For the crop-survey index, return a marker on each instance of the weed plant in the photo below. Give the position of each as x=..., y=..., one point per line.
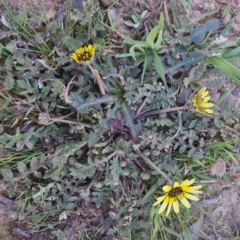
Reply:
x=95, y=136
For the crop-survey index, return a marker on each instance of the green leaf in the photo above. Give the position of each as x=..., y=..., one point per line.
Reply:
x=128, y=116
x=232, y=53
x=161, y=26
x=141, y=44
x=198, y=33
x=21, y=167
x=225, y=66
x=124, y=55
x=182, y=149
x=7, y=174
x=151, y=191
x=22, y=84
x=33, y=162
x=187, y=61
x=83, y=107
x=132, y=51
x=70, y=206
x=224, y=96
x=231, y=155
x=129, y=23
x=169, y=230
x=143, y=14
x=27, y=137
x=134, y=18
x=93, y=139
x=193, y=123
x=152, y=35
x=156, y=32
x=73, y=43
x=165, y=122
x=159, y=67
x=144, y=68
x=191, y=152
x=9, y=81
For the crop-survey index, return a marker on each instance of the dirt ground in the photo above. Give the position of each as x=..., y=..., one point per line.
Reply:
x=222, y=201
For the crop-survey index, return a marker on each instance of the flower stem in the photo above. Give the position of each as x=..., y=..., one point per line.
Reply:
x=154, y=112
x=149, y=162
x=70, y=122
x=98, y=78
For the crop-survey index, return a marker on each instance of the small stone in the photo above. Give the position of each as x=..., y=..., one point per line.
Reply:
x=227, y=18
x=230, y=3
x=107, y=3
x=212, y=7
x=236, y=92
x=218, y=168
x=237, y=19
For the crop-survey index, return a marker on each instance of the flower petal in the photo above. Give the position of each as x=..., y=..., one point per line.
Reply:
x=202, y=91
x=190, y=196
x=192, y=189
x=175, y=185
x=206, y=99
x=187, y=183
x=159, y=200
x=185, y=202
x=164, y=205
x=204, y=110
x=206, y=105
x=167, y=188
x=201, y=104
x=205, y=93
x=84, y=55
x=176, y=206
x=169, y=205
x=195, y=192
x=210, y=111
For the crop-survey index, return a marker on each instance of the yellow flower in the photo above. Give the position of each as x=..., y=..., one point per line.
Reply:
x=200, y=102
x=177, y=192
x=84, y=55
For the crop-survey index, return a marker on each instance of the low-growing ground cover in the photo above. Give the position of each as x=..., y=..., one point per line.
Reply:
x=119, y=120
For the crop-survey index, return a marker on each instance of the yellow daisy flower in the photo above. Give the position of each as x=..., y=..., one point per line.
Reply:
x=177, y=192
x=200, y=102
x=84, y=55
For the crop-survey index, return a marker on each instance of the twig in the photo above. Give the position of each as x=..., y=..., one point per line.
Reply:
x=141, y=107
x=231, y=129
x=64, y=190
x=32, y=170
x=98, y=78
x=25, y=234
x=123, y=81
x=150, y=113
x=68, y=121
x=97, y=176
x=66, y=92
x=149, y=162
x=10, y=204
x=45, y=119
x=50, y=79
x=65, y=89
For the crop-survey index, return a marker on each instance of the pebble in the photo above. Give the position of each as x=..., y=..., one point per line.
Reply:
x=227, y=18
x=212, y=7
x=237, y=19
x=107, y=3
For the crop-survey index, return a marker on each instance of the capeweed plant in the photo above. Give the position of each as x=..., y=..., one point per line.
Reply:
x=136, y=23
x=109, y=147
x=148, y=48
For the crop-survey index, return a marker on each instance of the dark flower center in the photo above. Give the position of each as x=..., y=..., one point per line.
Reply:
x=176, y=192
x=85, y=56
